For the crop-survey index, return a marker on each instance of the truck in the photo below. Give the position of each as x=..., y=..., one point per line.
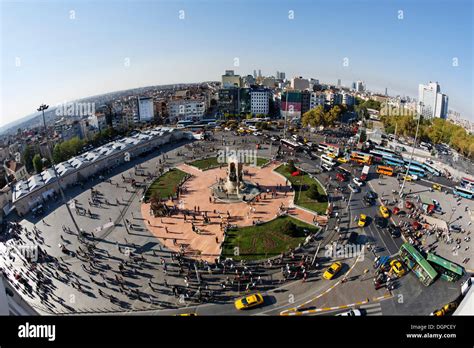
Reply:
x=365, y=173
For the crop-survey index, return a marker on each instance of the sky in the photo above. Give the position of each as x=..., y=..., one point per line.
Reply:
x=56, y=51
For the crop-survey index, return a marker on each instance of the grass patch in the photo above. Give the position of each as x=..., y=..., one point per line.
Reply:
x=266, y=240
x=302, y=184
x=166, y=184
x=212, y=162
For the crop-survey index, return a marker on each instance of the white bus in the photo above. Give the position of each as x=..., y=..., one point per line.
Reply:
x=290, y=144
x=327, y=160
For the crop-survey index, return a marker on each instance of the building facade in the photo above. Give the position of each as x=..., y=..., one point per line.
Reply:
x=146, y=111
x=259, y=101
x=434, y=103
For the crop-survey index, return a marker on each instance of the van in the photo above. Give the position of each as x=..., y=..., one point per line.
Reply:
x=327, y=167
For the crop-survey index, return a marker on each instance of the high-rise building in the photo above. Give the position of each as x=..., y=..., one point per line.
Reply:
x=386, y=91
x=317, y=98
x=259, y=73
x=305, y=101
x=260, y=101
x=145, y=109
x=229, y=79
x=433, y=102
x=339, y=83
x=255, y=74
x=360, y=87
x=299, y=83
x=353, y=86
x=290, y=104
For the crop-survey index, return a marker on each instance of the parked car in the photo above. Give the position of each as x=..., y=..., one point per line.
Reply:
x=358, y=182
x=456, y=228
x=397, y=268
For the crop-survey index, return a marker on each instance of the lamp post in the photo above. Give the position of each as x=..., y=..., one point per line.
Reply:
x=412, y=150
x=42, y=108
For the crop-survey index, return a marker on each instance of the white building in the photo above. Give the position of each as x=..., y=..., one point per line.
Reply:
x=259, y=101
x=434, y=103
x=145, y=109
x=299, y=83
x=186, y=109
x=317, y=98
x=98, y=121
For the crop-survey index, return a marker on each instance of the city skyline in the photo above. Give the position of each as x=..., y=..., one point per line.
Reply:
x=85, y=53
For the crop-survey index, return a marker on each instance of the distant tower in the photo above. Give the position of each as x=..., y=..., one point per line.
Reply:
x=338, y=82
x=255, y=74
x=386, y=91
x=259, y=73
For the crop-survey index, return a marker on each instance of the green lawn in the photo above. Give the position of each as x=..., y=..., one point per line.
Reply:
x=264, y=241
x=211, y=162
x=166, y=184
x=301, y=184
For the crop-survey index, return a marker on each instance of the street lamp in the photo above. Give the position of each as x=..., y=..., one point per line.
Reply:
x=412, y=150
x=50, y=153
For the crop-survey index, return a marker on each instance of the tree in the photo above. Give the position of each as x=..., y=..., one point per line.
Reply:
x=291, y=166
x=313, y=192
x=38, y=163
x=27, y=158
x=314, y=117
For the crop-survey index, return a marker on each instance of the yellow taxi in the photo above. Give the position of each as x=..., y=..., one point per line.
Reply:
x=397, y=268
x=249, y=301
x=186, y=315
x=408, y=178
x=384, y=212
x=362, y=220
x=446, y=309
x=342, y=160
x=330, y=154
x=437, y=187
x=332, y=270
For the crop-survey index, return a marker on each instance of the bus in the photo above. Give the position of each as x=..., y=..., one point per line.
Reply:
x=325, y=147
x=183, y=123
x=254, y=121
x=381, y=153
x=418, y=264
x=432, y=169
x=361, y=157
x=448, y=271
x=462, y=192
x=290, y=144
x=467, y=183
x=415, y=170
x=385, y=170
x=386, y=150
x=328, y=160
x=393, y=161
x=412, y=162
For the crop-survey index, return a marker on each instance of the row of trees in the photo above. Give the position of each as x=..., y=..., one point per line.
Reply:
x=435, y=131
x=320, y=117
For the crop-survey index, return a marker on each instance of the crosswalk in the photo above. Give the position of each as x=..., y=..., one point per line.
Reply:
x=372, y=309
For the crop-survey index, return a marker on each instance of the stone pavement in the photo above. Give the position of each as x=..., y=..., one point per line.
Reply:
x=206, y=244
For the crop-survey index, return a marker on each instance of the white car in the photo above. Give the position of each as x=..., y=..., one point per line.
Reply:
x=350, y=313
x=414, y=177
x=358, y=182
